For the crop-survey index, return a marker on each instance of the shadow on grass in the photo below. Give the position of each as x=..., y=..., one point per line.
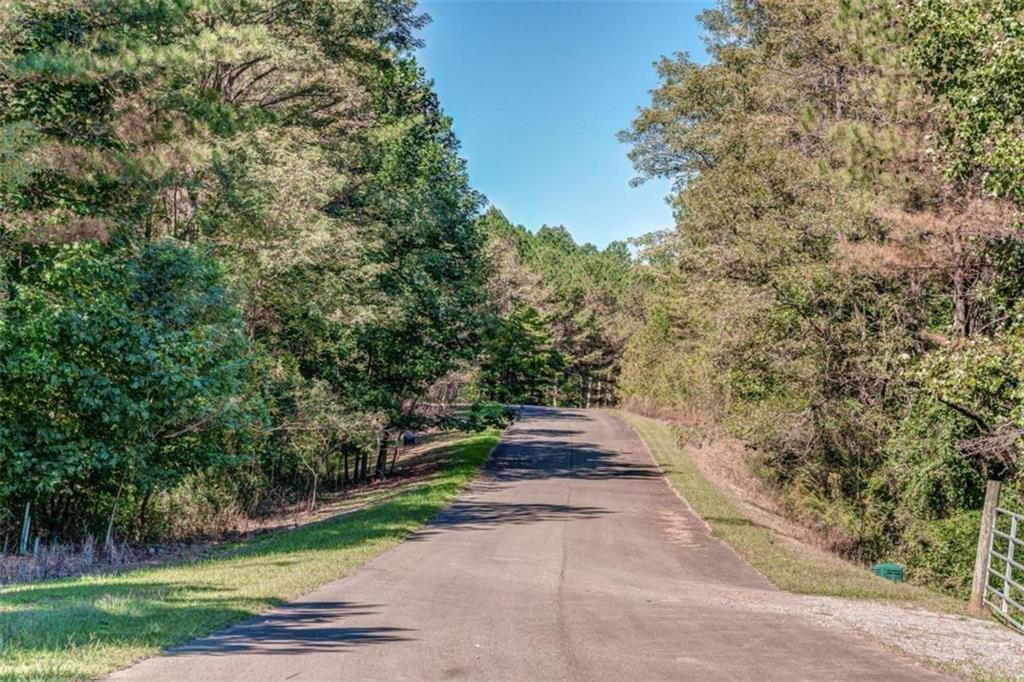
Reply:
x=81, y=628
x=735, y=521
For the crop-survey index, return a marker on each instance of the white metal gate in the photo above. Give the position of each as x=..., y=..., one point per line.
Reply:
x=1004, y=591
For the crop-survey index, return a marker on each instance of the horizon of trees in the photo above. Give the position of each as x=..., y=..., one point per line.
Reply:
x=561, y=315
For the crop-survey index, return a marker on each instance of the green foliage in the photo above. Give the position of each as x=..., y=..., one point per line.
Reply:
x=482, y=415
x=982, y=378
x=659, y=369
x=119, y=371
x=924, y=469
x=941, y=552
x=570, y=307
x=297, y=154
x=839, y=292
x=519, y=363
x=973, y=57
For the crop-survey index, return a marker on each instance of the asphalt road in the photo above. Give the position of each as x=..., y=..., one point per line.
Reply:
x=571, y=559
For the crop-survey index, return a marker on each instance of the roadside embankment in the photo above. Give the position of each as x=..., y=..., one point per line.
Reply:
x=839, y=594
x=82, y=628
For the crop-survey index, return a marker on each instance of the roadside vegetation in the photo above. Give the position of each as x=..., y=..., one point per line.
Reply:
x=83, y=628
x=786, y=564
x=842, y=290
x=238, y=248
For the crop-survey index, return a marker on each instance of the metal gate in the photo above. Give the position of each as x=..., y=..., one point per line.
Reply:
x=1004, y=592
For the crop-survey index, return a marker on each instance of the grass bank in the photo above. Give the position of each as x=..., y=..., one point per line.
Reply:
x=786, y=564
x=85, y=627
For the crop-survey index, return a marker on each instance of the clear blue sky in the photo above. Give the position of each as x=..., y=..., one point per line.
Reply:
x=538, y=91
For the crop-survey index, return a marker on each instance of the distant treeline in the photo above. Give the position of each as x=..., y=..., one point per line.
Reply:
x=561, y=316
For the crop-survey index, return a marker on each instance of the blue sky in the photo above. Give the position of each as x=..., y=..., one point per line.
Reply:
x=538, y=91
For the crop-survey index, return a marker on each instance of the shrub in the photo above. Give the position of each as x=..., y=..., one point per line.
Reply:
x=941, y=553
x=123, y=372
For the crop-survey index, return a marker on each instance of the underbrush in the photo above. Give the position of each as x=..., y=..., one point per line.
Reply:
x=912, y=497
x=193, y=519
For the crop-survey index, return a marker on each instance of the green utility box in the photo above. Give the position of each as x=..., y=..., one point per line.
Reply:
x=893, y=572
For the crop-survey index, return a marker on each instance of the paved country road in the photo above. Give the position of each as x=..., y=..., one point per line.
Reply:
x=570, y=559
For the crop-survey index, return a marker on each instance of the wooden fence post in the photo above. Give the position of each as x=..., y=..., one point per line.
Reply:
x=988, y=519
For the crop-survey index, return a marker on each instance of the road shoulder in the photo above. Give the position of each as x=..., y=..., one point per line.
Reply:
x=837, y=594
x=86, y=627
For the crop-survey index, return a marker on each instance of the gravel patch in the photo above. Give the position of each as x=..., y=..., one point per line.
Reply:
x=974, y=648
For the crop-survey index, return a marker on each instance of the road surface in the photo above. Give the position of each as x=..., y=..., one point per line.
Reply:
x=570, y=559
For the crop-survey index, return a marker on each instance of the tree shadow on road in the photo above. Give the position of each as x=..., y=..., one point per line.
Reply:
x=480, y=515
x=296, y=628
x=559, y=458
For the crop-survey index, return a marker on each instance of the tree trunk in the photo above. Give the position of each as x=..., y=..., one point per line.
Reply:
x=144, y=513
x=26, y=525
x=961, y=328
x=382, y=455
x=344, y=469
x=108, y=541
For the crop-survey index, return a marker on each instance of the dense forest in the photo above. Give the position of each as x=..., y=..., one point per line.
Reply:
x=237, y=245
x=843, y=288
x=239, y=251
x=561, y=316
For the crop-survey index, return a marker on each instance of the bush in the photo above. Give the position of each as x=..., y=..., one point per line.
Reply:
x=941, y=553
x=481, y=415
x=123, y=372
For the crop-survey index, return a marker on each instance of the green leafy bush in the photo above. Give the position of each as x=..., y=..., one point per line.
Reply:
x=123, y=372
x=941, y=553
x=481, y=415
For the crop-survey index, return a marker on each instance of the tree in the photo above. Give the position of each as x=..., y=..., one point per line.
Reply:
x=296, y=146
x=122, y=374
x=822, y=260
x=972, y=61
x=519, y=363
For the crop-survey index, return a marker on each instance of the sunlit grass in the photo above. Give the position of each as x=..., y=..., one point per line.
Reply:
x=85, y=627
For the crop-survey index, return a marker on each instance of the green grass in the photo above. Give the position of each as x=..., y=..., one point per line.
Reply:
x=85, y=627
x=788, y=566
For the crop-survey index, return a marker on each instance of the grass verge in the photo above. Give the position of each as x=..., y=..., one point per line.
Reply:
x=787, y=565
x=83, y=628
